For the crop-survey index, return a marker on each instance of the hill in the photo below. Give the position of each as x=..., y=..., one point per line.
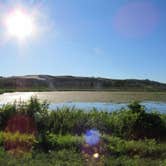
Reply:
x=47, y=82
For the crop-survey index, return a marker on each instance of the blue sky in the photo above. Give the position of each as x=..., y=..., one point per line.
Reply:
x=102, y=38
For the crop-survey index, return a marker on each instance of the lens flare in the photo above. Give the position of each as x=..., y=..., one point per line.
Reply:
x=136, y=19
x=96, y=155
x=92, y=137
x=94, y=149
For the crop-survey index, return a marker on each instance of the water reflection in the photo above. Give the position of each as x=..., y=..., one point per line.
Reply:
x=150, y=106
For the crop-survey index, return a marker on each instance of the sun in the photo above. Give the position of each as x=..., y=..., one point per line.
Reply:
x=19, y=24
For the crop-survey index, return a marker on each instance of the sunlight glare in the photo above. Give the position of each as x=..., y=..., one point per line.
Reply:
x=19, y=24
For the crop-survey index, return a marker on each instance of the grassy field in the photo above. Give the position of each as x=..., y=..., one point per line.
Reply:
x=119, y=153
x=30, y=134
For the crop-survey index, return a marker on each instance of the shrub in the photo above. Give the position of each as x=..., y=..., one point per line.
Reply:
x=136, y=107
x=18, y=144
x=148, y=125
x=141, y=148
x=76, y=121
x=123, y=123
x=136, y=123
x=6, y=112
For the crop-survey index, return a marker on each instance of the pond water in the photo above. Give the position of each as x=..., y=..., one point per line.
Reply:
x=150, y=106
x=108, y=101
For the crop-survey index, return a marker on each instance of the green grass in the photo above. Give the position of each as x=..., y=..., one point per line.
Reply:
x=118, y=152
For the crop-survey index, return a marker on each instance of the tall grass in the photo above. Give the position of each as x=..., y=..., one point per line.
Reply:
x=131, y=123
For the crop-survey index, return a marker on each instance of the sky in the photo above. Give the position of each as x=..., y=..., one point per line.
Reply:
x=118, y=39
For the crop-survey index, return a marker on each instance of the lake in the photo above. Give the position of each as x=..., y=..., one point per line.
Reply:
x=108, y=101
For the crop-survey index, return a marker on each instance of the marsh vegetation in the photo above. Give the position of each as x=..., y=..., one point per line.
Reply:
x=31, y=134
